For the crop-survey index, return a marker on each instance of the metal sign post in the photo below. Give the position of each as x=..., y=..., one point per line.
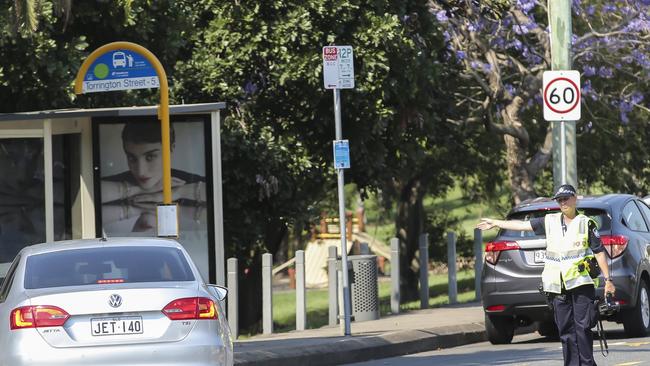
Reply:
x=338, y=73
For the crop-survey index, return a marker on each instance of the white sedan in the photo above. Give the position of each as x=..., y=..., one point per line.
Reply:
x=117, y=301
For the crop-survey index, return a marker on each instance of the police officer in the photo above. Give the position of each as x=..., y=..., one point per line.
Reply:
x=572, y=239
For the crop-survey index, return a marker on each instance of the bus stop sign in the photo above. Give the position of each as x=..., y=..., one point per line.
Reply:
x=119, y=70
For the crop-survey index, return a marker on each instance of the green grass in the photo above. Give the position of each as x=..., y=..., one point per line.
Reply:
x=284, y=303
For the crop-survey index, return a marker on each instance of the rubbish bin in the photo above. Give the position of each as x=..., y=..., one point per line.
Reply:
x=363, y=287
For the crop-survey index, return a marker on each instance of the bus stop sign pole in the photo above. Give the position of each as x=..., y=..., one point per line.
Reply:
x=115, y=68
x=338, y=73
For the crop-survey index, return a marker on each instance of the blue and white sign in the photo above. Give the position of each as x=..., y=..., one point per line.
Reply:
x=341, y=154
x=120, y=70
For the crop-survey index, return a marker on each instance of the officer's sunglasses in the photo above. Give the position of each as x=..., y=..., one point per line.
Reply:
x=562, y=199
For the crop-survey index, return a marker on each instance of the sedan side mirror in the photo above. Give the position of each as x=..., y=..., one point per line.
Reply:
x=220, y=291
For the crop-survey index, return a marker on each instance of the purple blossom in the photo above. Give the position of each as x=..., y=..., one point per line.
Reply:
x=510, y=89
x=250, y=88
x=442, y=16
x=589, y=71
x=625, y=106
x=609, y=8
x=636, y=97
x=638, y=25
x=520, y=29
x=586, y=87
x=498, y=42
x=526, y=5
x=591, y=9
x=605, y=72
x=486, y=67
x=624, y=119
x=516, y=44
x=460, y=55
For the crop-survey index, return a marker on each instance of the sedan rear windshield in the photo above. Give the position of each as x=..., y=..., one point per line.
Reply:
x=105, y=266
x=600, y=216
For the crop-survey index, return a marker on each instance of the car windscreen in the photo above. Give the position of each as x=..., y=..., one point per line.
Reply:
x=601, y=218
x=106, y=265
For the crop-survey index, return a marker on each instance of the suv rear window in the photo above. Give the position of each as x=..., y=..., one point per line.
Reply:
x=600, y=216
x=106, y=265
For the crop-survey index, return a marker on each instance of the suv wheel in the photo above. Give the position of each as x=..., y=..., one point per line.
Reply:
x=547, y=328
x=500, y=329
x=637, y=319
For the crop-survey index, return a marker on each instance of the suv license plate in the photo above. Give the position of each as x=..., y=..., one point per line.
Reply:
x=540, y=255
x=116, y=326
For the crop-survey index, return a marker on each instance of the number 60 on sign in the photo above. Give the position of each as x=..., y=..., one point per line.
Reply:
x=561, y=94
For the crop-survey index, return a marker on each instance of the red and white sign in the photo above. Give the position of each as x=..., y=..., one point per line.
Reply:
x=561, y=95
x=338, y=67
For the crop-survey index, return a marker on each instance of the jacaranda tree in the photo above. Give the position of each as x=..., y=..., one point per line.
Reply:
x=504, y=48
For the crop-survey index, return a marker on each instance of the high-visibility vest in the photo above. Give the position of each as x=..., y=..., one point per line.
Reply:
x=565, y=251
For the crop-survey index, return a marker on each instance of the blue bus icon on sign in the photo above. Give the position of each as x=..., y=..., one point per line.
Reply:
x=341, y=154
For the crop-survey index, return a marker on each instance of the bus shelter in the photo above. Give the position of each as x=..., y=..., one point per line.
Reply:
x=87, y=173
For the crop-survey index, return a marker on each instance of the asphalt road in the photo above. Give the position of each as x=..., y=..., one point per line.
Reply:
x=528, y=350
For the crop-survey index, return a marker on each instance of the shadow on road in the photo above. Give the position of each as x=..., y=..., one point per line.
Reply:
x=497, y=357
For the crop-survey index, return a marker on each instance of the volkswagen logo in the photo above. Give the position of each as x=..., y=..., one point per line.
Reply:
x=115, y=300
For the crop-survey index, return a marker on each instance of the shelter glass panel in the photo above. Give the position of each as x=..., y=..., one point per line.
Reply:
x=22, y=203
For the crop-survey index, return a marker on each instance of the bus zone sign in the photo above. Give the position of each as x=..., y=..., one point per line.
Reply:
x=338, y=67
x=561, y=95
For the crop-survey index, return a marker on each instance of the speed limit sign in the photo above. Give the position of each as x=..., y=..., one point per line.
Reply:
x=561, y=95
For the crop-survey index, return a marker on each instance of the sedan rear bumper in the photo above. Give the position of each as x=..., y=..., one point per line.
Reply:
x=27, y=347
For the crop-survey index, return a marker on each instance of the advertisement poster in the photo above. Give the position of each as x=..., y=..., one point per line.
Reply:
x=130, y=168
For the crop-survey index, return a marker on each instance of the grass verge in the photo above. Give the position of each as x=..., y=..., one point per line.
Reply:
x=284, y=303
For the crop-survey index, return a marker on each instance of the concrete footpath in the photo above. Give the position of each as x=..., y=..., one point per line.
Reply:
x=390, y=336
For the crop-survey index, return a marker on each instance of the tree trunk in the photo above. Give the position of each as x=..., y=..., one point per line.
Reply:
x=521, y=181
x=409, y=226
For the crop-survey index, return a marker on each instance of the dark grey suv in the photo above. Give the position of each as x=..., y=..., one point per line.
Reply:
x=515, y=259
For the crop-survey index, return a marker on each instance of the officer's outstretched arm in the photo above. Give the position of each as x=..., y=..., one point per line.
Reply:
x=487, y=223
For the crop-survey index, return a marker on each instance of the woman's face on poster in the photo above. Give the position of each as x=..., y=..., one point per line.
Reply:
x=145, y=163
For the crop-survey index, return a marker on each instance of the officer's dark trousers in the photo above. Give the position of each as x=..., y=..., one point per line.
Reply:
x=575, y=316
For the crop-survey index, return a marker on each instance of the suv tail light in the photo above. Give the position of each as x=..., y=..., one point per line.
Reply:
x=38, y=317
x=191, y=308
x=614, y=244
x=494, y=248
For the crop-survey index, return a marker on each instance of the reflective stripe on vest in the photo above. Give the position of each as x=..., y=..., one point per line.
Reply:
x=565, y=252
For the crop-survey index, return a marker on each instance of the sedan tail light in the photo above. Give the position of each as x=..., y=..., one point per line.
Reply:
x=191, y=308
x=38, y=317
x=494, y=248
x=614, y=244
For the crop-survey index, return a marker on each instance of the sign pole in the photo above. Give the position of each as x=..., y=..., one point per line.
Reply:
x=343, y=231
x=564, y=134
x=338, y=73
